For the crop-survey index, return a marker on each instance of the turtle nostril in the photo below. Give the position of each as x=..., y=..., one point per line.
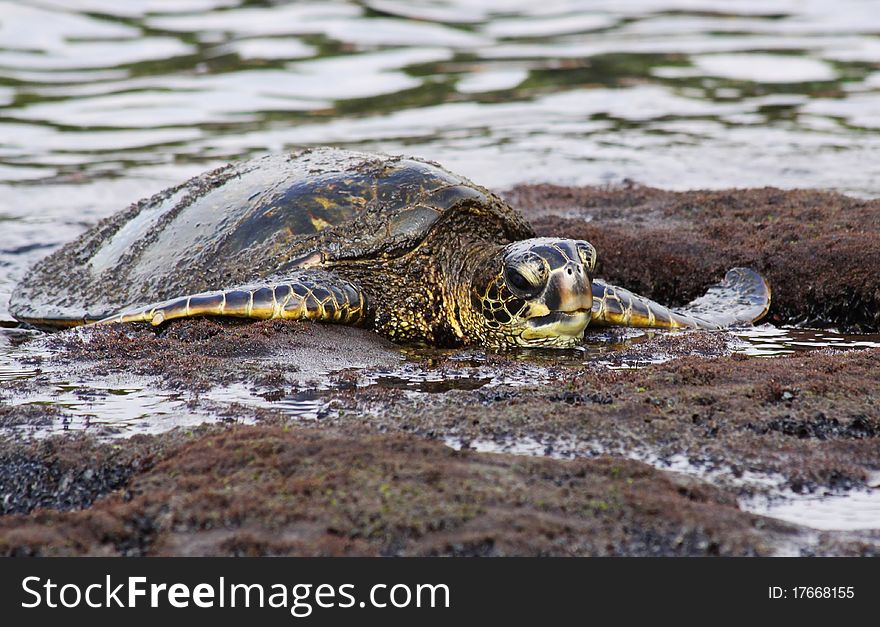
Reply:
x=569, y=270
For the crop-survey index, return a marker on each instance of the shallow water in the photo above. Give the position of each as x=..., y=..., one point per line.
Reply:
x=126, y=404
x=103, y=102
x=123, y=404
x=851, y=511
x=767, y=340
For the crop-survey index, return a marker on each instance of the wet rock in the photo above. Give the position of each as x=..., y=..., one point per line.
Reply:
x=60, y=475
x=810, y=420
x=27, y=415
x=831, y=544
x=713, y=413
x=820, y=427
x=199, y=354
x=295, y=491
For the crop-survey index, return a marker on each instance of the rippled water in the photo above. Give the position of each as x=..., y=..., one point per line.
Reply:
x=103, y=102
x=769, y=341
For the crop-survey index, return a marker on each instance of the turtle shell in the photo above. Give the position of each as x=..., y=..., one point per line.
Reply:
x=253, y=221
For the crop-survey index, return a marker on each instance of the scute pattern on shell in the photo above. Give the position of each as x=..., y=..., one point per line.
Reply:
x=253, y=221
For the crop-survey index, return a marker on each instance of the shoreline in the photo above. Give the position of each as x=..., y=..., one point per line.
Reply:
x=373, y=475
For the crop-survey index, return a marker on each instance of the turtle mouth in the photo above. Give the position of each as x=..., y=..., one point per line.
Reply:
x=561, y=322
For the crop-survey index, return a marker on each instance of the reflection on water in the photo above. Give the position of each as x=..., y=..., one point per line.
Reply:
x=110, y=101
x=854, y=510
x=769, y=341
x=103, y=102
x=109, y=405
x=125, y=404
x=554, y=90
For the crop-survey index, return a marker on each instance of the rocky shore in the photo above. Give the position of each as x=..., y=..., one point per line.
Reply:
x=491, y=453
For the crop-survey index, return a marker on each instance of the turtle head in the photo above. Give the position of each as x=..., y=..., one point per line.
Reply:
x=541, y=295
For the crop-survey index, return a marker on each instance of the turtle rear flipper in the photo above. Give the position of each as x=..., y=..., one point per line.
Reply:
x=742, y=297
x=309, y=295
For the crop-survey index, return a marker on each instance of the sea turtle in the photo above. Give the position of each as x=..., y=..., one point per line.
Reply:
x=400, y=245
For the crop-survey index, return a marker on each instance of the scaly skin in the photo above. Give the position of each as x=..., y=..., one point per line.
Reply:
x=615, y=306
x=308, y=296
x=742, y=297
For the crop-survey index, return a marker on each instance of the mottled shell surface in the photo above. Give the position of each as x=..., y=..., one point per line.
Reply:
x=249, y=222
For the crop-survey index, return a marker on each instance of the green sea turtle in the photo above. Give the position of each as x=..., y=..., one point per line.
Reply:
x=400, y=245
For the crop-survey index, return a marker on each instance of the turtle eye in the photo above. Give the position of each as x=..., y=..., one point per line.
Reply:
x=523, y=281
x=587, y=254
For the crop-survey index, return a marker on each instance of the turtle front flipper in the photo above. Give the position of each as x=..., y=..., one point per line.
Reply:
x=743, y=297
x=312, y=295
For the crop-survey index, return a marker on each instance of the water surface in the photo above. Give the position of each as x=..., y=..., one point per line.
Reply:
x=103, y=102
